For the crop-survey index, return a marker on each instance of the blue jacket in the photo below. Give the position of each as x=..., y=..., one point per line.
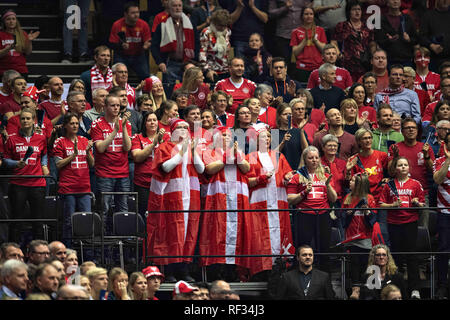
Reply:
x=405, y=102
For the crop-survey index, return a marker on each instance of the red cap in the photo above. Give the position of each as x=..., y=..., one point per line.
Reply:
x=174, y=123
x=33, y=93
x=183, y=287
x=149, y=82
x=152, y=271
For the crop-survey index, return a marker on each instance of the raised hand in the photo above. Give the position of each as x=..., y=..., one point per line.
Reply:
x=33, y=35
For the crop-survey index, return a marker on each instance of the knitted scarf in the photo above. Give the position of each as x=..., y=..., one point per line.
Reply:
x=389, y=92
x=98, y=81
x=169, y=37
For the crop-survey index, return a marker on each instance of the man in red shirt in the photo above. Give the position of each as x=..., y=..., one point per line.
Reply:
x=420, y=156
x=162, y=16
x=379, y=67
x=130, y=37
x=236, y=85
x=6, y=90
x=343, y=77
x=52, y=106
x=111, y=137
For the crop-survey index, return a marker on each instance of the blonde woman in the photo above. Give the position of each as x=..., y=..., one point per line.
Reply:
x=350, y=117
x=137, y=286
x=118, y=285
x=311, y=187
x=386, y=272
x=15, y=44
x=193, y=84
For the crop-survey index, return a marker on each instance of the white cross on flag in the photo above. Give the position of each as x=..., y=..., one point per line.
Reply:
x=77, y=164
x=115, y=146
x=315, y=194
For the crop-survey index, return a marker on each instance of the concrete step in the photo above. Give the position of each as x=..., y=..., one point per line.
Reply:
x=44, y=56
x=45, y=43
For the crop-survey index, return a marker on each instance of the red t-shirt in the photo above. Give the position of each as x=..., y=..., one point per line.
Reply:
x=358, y=226
x=432, y=79
x=317, y=198
x=142, y=170
x=417, y=166
x=373, y=166
x=343, y=79
x=15, y=149
x=427, y=115
x=239, y=94
x=74, y=177
x=13, y=59
x=10, y=105
x=135, y=36
x=269, y=117
x=368, y=111
x=4, y=97
x=310, y=58
x=52, y=108
x=113, y=163
x=198, y=97
x=407, y=191
x=13, y=126
x=337, y=168
x=382, y=82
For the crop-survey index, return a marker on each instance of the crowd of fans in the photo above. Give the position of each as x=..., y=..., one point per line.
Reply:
x=327, y=112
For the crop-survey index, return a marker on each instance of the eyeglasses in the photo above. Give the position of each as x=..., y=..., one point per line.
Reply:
x=446, y=129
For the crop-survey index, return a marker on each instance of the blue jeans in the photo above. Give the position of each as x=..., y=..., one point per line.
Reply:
x=73, y=203
x=174, y=72
x=114, y=185
x=137, y=63
x=239, y=48
x=83, y=32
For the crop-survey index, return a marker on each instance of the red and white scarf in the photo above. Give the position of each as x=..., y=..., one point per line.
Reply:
x=389, y=92
x=98, y=81
x=169, y=37
x=131, y=96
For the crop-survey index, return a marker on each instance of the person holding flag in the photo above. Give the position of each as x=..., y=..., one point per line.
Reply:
x=267, y=232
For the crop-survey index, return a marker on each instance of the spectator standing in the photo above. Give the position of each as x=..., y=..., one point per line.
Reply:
x=130, y=38
x=434, y=22
x=174, y=42
x=355, y=40
x=236, y=85
x=379, y=64
x=111, y=137
x=174, y=186
x=219, y=104
x=6, y=90
x=307, y=42
x=73, y=157
x=408, y=81
x=120, y=79
x=441, y=178
x=404, y=192
x=15, y=44
x=32, y=189
x=329, y=14
x=247, y=17
x=83, y=49
x=397, y=35
x=306, y=282
x=402, y=100
x=55, y=106
x=100, y=75
x=257, y=59
x=426, y=79
x=326, y=95
x=215, y=46
x=11, y=106
x=343, y=78
x=98, y=104
x=193, y=84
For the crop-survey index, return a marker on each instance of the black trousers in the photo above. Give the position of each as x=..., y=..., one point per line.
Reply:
x=315, y=228
x=18, y=197
x=403, y=238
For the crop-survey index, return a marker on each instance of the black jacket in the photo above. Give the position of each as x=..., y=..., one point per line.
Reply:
x=289, y=287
